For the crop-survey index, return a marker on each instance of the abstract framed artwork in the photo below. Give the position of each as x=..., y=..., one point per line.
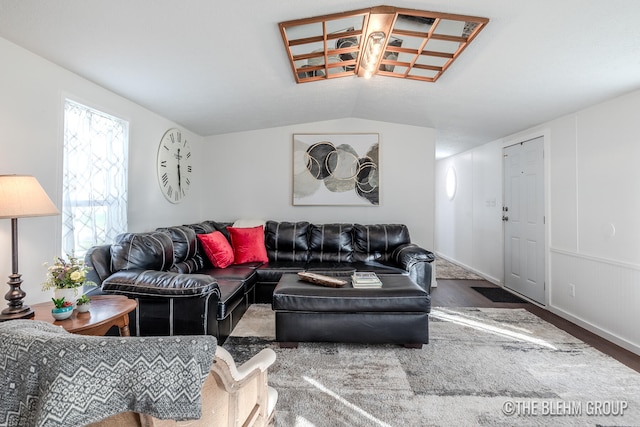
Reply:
x=336, y=169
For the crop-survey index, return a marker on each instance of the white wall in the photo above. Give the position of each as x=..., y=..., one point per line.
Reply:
x=241, y=175
x=468, y=227
x=249, y=175
x=593, y=206
x=454, y=218
x=31, y=122
x=595, y=209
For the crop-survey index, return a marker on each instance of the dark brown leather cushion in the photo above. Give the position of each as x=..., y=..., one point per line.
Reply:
x=376, y=242
x=150, y=251
x=185, y=245
x=286, y=241
x=330, y=243
x=141, y=283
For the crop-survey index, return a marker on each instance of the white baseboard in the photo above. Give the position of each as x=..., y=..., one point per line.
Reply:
x=485, y=276
x=596, y=330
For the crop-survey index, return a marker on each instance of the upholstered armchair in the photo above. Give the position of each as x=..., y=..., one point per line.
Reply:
x=231, y=396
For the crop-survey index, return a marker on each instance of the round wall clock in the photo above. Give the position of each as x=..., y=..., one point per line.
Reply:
x=174, y=165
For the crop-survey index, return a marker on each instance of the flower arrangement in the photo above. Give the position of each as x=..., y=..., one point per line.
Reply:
x=61, y=303
x=66, y=274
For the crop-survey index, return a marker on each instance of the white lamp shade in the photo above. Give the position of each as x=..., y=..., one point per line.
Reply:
x=22, y=196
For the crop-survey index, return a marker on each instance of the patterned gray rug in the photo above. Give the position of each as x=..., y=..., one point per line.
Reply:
x=494, y=367
x=449, y=270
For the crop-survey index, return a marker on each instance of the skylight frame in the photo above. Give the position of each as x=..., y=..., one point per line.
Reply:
x=327, y=60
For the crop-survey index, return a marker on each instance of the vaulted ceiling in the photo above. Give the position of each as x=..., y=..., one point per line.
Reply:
x=218, y=67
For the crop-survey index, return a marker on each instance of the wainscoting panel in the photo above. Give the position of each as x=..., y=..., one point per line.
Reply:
x=598, y=294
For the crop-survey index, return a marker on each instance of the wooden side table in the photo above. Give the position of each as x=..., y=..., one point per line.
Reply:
x=106, y=311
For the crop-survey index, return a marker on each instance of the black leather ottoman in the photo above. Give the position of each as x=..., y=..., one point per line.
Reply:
x=396, y=313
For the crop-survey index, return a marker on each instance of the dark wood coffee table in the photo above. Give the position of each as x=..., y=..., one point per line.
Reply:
x=106, y=311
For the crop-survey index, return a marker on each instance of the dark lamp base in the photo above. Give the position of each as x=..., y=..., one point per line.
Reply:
x=24, y=313
x=16, y=309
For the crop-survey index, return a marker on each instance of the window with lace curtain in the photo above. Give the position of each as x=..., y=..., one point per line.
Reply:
x=94, y=199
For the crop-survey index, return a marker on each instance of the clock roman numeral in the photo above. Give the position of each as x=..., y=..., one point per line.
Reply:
x=170, y=191
x=163, y=163
x=189, y=168
x=188, y=181
x=165, y=180
x=165, y=147
x=176, y=196
x=189, y=154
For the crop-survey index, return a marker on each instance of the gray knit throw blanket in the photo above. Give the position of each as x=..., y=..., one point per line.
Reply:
x=53, y=378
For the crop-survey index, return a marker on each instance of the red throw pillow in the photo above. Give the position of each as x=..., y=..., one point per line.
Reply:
x=217, y=249
x=248, y=244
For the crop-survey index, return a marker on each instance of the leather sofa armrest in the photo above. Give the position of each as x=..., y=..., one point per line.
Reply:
x=409, y=253
x=98, y=259
x=146, y=283
x=417, y=261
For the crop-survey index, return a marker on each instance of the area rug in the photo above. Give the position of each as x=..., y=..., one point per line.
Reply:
x=494, y=367
x=498, y=295
x=449, y=270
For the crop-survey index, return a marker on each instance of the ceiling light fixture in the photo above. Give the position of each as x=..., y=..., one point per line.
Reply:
x=382, y=40
x=373, y=52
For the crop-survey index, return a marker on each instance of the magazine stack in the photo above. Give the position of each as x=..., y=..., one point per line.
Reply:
x=365, y=279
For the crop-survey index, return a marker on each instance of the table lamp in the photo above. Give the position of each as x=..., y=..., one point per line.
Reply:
x=21, y=196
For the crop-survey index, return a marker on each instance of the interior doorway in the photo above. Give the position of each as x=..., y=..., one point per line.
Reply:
x=523, y=219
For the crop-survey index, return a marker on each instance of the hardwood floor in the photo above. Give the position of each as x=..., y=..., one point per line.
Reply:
x=458, y=293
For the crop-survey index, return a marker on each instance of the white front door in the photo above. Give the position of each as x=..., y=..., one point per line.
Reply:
x=523, y=218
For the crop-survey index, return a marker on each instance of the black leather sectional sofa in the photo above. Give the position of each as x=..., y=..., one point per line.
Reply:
x=179, y=292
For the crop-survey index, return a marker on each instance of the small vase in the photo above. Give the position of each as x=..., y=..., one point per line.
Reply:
x=69, y=294
x=83, y=308
x=62, y=313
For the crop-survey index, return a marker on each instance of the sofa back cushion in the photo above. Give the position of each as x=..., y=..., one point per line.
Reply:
x=330, y=243
x=185, y=244
x=186, y=258
x=286, y=241
x=206, y=227
x=150, y=251
x=376, y=242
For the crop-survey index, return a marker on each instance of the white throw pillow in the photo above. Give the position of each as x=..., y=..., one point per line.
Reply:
x=249, y=223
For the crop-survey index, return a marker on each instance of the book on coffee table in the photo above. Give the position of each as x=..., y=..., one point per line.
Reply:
x=365, y=279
